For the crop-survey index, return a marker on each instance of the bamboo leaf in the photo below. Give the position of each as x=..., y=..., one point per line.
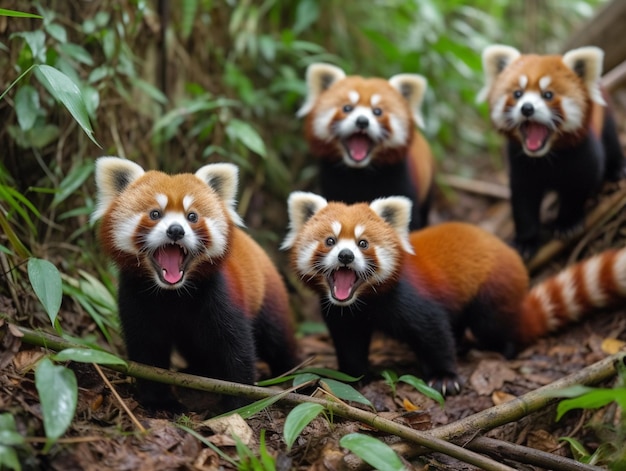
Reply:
x=344, y=391
x=298, y=418
x=374, y=452
x=58, y=393
x=64, y=90
x=46, y=282
x=88, y=355
x=18, y=14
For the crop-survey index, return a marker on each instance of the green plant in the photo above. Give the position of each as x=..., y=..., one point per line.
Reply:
x=611, y=451
x=392, y=380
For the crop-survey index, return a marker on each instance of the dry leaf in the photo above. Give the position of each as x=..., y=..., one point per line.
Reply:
x=26, y=359
x=500, y=397
x=612, y=346
x=231, y=425
x=490, y=375
x=408, y=405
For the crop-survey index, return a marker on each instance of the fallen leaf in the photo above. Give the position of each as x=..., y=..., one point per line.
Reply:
x=490, y=375
x=542, y=440
x=612, y=346
x=231, y=425
x=500, y=397
x=408, y=405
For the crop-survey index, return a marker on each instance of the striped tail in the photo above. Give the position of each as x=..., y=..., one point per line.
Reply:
x=597, y=282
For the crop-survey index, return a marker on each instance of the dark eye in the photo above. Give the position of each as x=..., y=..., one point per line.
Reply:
x=192, y=217
x=347, y=108
x=330, y=242
x=518, y=93
x=377, y=111
x=363, y=244
x=548, y=95
x=155, y=214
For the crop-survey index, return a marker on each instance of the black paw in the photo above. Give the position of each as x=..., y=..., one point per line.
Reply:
x=527, y=250
x=446, y=385
x=568, y=231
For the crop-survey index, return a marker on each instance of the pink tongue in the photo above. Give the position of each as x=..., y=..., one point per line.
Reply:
x=358, y=146
x=170, y=259
x=535, y=136
x=343, y=281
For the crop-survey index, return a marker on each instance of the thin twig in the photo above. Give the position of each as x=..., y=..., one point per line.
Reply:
x=119, y=399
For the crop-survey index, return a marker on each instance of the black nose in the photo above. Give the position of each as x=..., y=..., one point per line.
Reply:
x=345, y=256
x=175, y=232
x=362, y=122
x=528, y=109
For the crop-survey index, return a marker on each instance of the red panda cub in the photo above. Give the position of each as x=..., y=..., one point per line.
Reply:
x=427, y=287
x=561, y=135
x=189, y=278
x=363, y=131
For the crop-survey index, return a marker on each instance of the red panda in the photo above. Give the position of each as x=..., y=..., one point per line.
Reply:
x=363, y=130
x=428, y=287
x=561, y=135
x=189, y=278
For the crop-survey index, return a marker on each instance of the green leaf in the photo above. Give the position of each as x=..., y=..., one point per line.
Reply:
x=307, y=13
x=344, y=391
x=423, y=388
x=18, y=14
x=578, y=450
x=58, y=393
x=267, y=460
x=298, y=418
x=374, y=452
x=57, y=32
x=241, y=131
x=8, y=431
x=36, y=41
x=9, y=459
x=88, y=355
x=249, y=410
x=73, y=180
x=76, y=52
x=592, y=400
x=328, y=373
x=67, y=92
x=27, y=107
x=302, y=378
x=46, y=282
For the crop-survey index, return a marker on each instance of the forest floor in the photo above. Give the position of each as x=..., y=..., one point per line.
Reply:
x=103, y=436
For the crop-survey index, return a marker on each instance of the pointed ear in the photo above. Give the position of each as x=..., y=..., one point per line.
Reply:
x=113, y=175
x=495, y=59
x=396, y=211
x=586, y=62
x=223, y=178
x=301, y=206
x=319, y=77
x=412, y=87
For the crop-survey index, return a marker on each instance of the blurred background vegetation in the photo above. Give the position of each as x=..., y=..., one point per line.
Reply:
x=177, y=84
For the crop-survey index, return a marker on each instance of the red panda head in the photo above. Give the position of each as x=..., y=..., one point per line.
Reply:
x=359, y=120
x=541, y=101
x=167, y=227
x=346, y=251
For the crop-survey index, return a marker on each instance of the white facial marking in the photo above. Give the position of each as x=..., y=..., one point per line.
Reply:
x=336, y=227
x=353, y=96
x=359, y=229
x=375, y=100
x=321, y=124
x=399, y=132
x=124, y=235
x=157, y=237
x=304, y=258
x=187, y=202
x=523, y=81
x=573, y=119
x=387, y=263
x=218, y=229
x=542, y=113
x=161, y=199
x=544, y=82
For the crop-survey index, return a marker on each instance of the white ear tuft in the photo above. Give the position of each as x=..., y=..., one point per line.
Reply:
x=113, y=175
x=412, y=87
x=319, y=77
x=301, y=206
x=495, y=59
x=396, y=211
x=223, y=178
x=586, y=62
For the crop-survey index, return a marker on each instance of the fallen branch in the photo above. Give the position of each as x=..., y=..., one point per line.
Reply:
x=605, y=209
x=137, y=370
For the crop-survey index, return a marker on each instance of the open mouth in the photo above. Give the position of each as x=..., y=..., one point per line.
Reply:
x=358, y=146
x=343, y=283
x=535, y=136
x=170, y=261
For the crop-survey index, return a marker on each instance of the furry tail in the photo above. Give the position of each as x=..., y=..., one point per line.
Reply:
x=597, y=282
